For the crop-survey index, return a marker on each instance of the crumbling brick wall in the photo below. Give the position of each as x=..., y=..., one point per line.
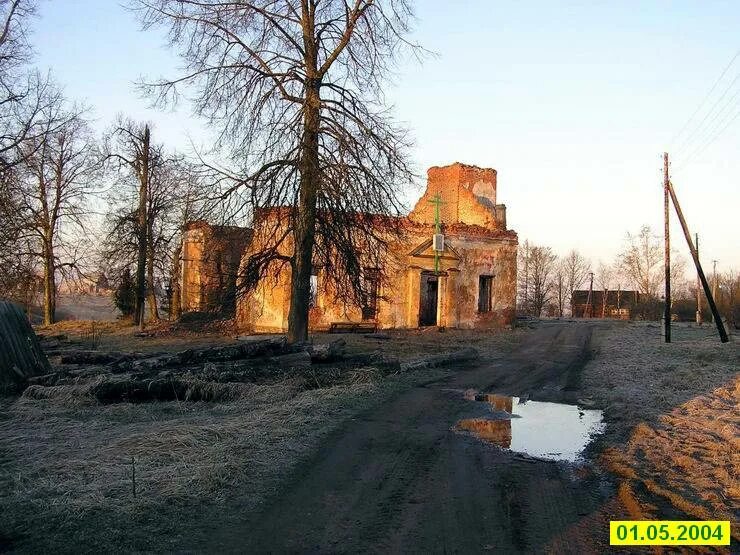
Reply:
x=477, y=244
x=210, y=266
x=468, y=195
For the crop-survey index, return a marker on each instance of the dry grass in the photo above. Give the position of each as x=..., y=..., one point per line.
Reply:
x=66, y=471
x=636, y=377
x=673, y=417
x=66, y=461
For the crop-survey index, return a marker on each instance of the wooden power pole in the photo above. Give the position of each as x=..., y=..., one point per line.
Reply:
x=590, y=299
x=695, y=255
x=667, y=235
x=698, y=287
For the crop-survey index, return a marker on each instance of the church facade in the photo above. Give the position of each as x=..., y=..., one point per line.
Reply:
x=455, y=266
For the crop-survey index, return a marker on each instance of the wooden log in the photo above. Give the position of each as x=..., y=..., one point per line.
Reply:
x=379, y=336
x=246, y=350
x=446, y=359
x=328, y=352
x=97, y=357
x=378, y=359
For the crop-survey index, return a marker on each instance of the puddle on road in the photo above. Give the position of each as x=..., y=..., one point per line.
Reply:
x=553, y=431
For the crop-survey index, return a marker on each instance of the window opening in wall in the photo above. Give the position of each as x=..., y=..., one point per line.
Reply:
x=485, y=289
x=371, y=291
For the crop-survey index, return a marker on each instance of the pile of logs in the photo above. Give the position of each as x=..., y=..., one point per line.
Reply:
x=210, y=374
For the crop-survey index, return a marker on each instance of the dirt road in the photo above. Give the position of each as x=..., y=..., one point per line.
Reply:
x=398, y=479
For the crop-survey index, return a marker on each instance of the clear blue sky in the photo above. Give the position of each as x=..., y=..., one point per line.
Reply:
x=572, y=102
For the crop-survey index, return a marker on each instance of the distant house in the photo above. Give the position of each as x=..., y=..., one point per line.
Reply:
x=604, y=304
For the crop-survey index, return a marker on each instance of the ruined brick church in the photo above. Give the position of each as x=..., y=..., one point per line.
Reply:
x=473, y=285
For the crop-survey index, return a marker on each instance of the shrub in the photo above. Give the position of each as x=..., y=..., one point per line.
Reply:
x=124, y=297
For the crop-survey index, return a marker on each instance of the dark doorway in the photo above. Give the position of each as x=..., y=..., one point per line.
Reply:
x=428, y=300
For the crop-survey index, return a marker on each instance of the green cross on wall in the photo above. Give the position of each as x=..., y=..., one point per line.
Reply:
x=437, y=202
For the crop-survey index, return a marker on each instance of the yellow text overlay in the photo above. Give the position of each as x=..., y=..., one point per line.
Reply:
x=669, y=532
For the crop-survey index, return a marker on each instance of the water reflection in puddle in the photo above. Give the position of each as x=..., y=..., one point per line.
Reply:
x=545, y=430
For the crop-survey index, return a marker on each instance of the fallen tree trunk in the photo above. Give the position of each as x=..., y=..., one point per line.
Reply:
x=127, y=388
x=98, y=357
x=446, y=359
x=329, y=352
x=189, y=357
x=377, y=359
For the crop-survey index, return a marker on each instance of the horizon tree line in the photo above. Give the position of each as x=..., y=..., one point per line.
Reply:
x=546, y=282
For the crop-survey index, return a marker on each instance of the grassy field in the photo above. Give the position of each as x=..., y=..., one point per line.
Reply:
x=77, y=475
x=673, y=421
x=69, y=464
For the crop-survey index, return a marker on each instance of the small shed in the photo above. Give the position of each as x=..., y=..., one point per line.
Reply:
x=21, y=355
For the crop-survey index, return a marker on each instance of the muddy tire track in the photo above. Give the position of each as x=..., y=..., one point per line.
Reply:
x=398, y=479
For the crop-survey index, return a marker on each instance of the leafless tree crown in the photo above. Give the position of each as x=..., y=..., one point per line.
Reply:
x=295, y=89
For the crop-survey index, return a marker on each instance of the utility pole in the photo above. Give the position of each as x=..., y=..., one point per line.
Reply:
x=667, y=235
x=694, y=254
x=714, y=279
x=526, y=277
x=698, y=287
x=590, y=299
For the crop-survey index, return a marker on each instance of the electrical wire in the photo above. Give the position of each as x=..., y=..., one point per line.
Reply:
x=701, y=104
x=688, y=140
x=710, y=141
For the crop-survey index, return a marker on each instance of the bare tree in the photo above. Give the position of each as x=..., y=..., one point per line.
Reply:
x=130, y=149
x=560, y=286
x=295, y=88
x=642, y=261
x=537, y=266
x=54, y=178
x=575, y=269
x=605, y=277
x=175, y=197
x=15, y=53
x=25, y=96
x=19, y=279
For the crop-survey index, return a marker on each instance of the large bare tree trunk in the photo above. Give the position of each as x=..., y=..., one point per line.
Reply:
x=142, y=239
x=151, y=293
x=305, y=228
x=175, y=300
x=50, y=293
x=305, y=224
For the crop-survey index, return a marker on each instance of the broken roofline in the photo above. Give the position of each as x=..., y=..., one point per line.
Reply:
x=281, y=212
x=402, y=222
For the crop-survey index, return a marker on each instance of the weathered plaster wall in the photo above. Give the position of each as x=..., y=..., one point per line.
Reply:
x=468, y=195
x=476, y=243
x=472, y=252
x=192, y=268
x=210, y=261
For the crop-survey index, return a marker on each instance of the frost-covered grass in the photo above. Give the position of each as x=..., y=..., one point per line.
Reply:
x=673, y=424
x=67, y=472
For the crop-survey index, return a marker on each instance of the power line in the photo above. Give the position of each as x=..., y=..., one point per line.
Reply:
x=719, y=118
x=687, y=141
x=712, y=140
x=701, y=104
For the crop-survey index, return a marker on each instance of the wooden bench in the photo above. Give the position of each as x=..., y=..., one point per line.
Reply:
x=353, y=327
